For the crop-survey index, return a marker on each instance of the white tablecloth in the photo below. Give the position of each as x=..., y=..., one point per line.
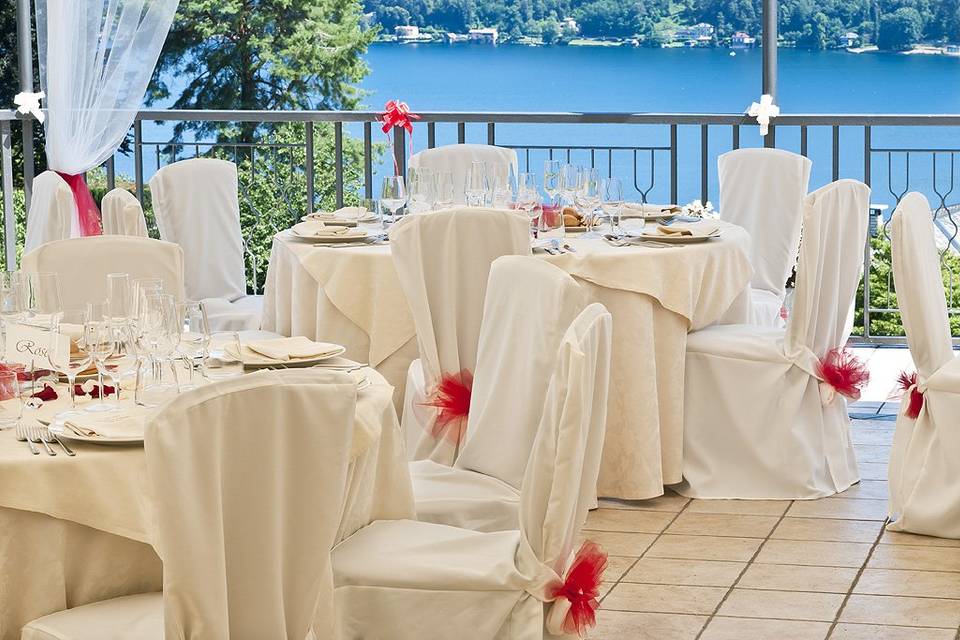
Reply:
x=351, y=295
x=77, y=530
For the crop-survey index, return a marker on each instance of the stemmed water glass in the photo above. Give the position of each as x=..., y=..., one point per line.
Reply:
x=43, y=299
x=98, y=338
x=70, y=357
x=551, y=178
x=477, y=185
x=194, y=337
x=613, y=203
x=159, y=331
x=125, y=360
x=570, y=178
x=393, y=197
x=528, y=199
x=422, y=183
x=446, y=193
x=588, y=199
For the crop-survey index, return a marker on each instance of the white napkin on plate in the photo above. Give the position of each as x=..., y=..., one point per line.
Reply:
x=352, y=213
x=640, y=210
x=702, y=228
x=128, y=422
x=317, y=229
x=286, y=349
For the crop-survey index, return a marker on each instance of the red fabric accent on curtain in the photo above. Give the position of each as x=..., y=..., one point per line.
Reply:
x=86, y=207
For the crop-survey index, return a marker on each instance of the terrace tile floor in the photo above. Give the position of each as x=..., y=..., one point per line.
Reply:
x=685, y=569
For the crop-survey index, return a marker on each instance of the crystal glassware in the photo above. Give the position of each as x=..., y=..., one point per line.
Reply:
x=98, y=338
x=613, y=203
x=119, y=294
x=71, y=356
x=393, y=197
x=194, y=338
x=551, y=179
x=477, y=186
x=446, y=193
x=421, y=184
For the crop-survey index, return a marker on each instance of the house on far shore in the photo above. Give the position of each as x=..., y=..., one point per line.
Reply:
x=849, y=39
x=952, y=50
x=742, y=40
x=406, y=32
x=569, y=25
x=485, y=36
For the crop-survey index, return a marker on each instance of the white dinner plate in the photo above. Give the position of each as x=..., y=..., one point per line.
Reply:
x=678, y=239
x=307, y=231
x=331, y=222
x=253, y=360
x=635, y=213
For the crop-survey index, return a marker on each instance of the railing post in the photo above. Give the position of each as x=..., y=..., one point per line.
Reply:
x=400, y=150
x=673, y=165
x=368, y=160
x=769, y=43
x=9, y=215
x=111, y=174
x=308, y=165
x=491, y=133
x=25, y=65
x=338, y=156
x=138, y=158
x=867, y=249
x=704, y=165
x=836, y=153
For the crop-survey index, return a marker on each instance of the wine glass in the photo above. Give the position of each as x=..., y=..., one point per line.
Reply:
x=446, y=193
x=194, y=337
x=588, y=198
x=71, y=356
x=125, y=360
x=119, y=303
x=43, y=299
x=570, y=179
x=159, y=332
x=477, y=184
x=551, y=178
x=421, y=183
x=613, y=203
x=528, y=198
x=98, y=338
x=393, y=196
x=501, y=182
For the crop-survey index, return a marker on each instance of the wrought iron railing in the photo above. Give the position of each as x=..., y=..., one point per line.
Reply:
x=338, y=156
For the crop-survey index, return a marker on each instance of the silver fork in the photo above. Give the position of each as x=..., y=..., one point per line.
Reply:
x=34, y=434
x=50, y=437
x=22, y=437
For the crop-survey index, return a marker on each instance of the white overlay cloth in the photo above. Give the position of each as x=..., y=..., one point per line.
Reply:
x=52, y=214
x=122, y=214
x=457, y=159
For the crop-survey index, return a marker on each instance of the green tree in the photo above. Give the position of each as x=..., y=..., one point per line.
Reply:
x=900, y=29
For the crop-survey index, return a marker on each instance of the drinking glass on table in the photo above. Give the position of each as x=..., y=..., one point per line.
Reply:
x=588, y=199
x=98, y=338
x=43, y=300
x=125, y=360
x=551, y=179
x=194, y=337
x=10, y=390
x=446, y=193
x=421, y=183
x=477, y=184
x=119, y=293
x=159, y=333
x=570, y=178
x=528, y=199
x=70, y=356
x=225, y=359
x=393, y=197
x=502, y=183
x=613, y=203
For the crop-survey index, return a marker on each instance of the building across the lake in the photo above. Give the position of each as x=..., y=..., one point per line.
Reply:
x=849, y=39
x=406, y=32
x=742, y=40
x=487, y=35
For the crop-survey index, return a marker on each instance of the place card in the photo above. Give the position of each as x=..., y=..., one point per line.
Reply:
x=28, y=345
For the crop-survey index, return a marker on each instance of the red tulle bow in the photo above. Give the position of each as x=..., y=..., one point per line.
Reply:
x=451, y=398
x=843, y=371
x=908, y=383
x=582, y=588
x=397, y=114
x=87, y=209
x=46, y=394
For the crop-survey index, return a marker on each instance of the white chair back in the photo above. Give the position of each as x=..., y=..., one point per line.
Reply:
x=248, y=477
x=53, y=212
x=561, y=476
x=828, y=273
x=919, y=284
x=196, y=206
x=83, y=265
x=529, y=307
x=122, y=214
x=457, y=158
x=762, y=190
x=443, y=260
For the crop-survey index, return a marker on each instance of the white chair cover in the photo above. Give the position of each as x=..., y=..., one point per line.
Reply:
x=83, y=265
x=530, y=304
x=443, y=260
x=924, y=486
x=457, y=158
x=122, y=214
x=52, y=213
x=197, y=206
x=427, y=580
x=755, y=426
x=245, y=514
x=762, y=190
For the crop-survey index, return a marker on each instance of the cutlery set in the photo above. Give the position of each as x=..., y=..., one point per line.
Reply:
x=41, y=435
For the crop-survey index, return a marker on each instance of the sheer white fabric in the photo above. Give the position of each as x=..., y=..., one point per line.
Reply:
x=83, y=265
x=443, y=260
x=197, y=206
x=530, y=305
x=52, y=214
x=762, y=190
x=924, y=488
x=122, y=214
x=96, y=58
x=428, y=580
x=246, y=555
x=457, y=158
x=755, y=426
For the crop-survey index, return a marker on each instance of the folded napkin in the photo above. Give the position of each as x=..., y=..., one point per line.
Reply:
x=317, y=229
x=126, y=423
x=703, y=228
x=641, y=210
x=286, y=349
x=352, y=213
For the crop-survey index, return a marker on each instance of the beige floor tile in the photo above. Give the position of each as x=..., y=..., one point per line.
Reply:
x=873, y=452
x=628, y=520
x=785, y=577
x=893, y=582
x=704, y=548
x=747, y=507
x=620, y=544
x=659, y=598
x=743, y=628
x=869, y=434
x=667, y=502
x=786, y=605
x=895, y=610
x=895, y=537
x=867, y=489
x=617, y=566
x=895, y=556
x=624, y=625
x=825, y=554
x=702, y=573
x=872, y=470
x=842, y=508
x=605, y=589
x=723, y=524
x=877, y=632
x=827, y=530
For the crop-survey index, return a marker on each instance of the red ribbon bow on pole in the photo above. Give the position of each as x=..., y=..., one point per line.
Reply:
x=909, y=382
x=451, y=398
x=397, y=114
x=582, y=588
x=843, y=371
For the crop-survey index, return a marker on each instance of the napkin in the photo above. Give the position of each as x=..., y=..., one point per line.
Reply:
x=285, y=349
x=702, y=228
x=640, y=210
x=352, y=213
x=126, y=423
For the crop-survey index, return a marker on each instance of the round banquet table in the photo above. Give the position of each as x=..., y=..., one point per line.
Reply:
x=351, y=295
x=75, y=530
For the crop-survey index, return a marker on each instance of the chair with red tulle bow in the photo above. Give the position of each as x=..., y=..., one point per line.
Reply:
x=924, y=485
x=443, y=261
x=765, y=411
x=529, y=306
x=458, y=158
x=52, y=214
x=413, y=580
